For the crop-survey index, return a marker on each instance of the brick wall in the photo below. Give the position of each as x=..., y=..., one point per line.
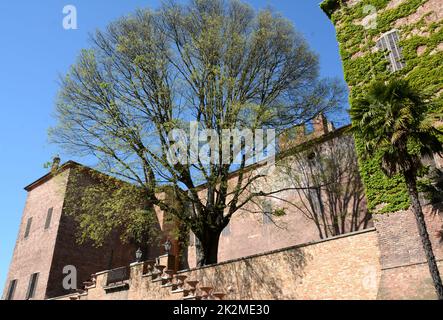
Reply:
x=87, y=258
x=35, y=253
x=345, y=267
x=405, y=273
x=383, y=263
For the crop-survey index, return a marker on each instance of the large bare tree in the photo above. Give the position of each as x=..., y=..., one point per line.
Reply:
x=217, y=63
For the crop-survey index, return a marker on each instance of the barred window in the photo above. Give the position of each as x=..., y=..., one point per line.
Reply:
x=32, y=285
x=390, y=42
x=28, y=227
x=11, y=289
x=48, y=218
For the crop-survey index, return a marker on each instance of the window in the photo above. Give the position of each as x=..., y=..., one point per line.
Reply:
x=32, y=285
x=227, y=230
x=11, y=290
x=28, y=227
x=48, y=218
x=389, y=41
x=267, y=211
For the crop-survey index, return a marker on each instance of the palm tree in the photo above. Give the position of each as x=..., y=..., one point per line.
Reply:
x=392, y=120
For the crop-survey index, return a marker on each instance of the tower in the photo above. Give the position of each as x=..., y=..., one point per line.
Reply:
x=381, y=40
x=46, y=242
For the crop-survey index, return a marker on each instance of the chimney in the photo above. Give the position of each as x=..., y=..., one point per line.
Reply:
x=320, y=124
x=300, y=133
x=55, y=164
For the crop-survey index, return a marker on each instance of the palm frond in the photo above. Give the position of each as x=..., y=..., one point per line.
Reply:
x=391, y=117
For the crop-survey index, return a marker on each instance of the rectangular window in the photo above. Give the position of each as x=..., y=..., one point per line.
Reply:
x=48, y=218
x=32, y=285
x=267, y=212
x=227, y=230
x=28, y=227
x=390, y=42
x=11, y=290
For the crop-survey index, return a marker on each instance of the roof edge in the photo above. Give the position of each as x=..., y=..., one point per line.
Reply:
x=67, y=165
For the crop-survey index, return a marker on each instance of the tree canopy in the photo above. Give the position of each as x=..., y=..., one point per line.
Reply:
x=218, y=64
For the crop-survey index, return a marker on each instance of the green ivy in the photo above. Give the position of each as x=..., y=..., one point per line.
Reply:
x=329, y=6
x=425, y=72
x=386, y=19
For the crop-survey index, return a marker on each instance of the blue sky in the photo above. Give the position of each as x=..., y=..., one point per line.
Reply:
x=35, y=49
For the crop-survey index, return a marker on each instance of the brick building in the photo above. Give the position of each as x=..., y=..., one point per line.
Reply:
x=252, y=231
x=47, y=237
x=46, y=241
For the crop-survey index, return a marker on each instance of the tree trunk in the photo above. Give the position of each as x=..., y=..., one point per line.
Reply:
x=207, y=248
x=421, y=224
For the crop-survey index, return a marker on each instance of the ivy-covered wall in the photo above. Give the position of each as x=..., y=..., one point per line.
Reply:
x=420, y=26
